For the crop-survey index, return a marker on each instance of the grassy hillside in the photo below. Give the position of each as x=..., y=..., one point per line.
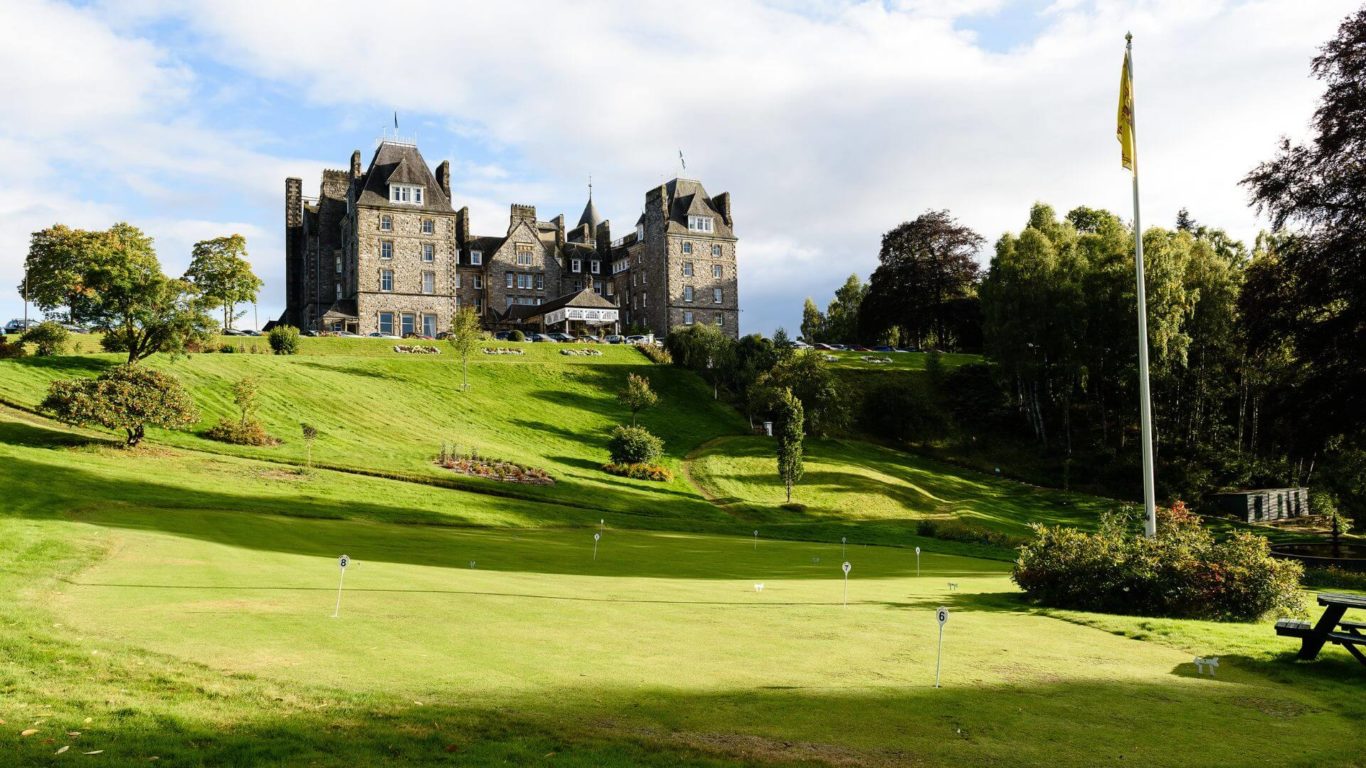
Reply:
x=389, y=413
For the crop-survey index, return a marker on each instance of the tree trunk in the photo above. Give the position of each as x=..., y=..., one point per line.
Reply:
x=465, y=372
x=135, y=435
x=789, y=491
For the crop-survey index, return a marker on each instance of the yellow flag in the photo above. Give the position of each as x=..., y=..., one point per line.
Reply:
x=1125, y=131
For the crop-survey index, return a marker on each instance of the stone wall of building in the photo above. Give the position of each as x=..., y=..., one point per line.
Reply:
x=702, y=282
x=543, y=274
x=407, y=264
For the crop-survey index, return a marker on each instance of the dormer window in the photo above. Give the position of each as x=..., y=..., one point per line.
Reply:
x=640, y=232
x=699, y=224
x=476, y=258
x=405, y=193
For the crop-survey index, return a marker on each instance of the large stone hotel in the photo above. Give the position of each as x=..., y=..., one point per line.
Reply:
x=383, y=249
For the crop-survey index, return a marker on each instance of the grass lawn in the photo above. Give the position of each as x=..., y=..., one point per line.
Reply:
x=177, y=605
x=901, y=361
x=874, y=489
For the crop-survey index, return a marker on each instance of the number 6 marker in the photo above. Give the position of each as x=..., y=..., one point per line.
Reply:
x=942, y=616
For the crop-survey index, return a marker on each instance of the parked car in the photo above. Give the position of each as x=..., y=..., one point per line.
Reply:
x=824, y=347
x=637, y=339
x=501, y=335
x=615, y=339
x=560, y=336
x=378, y=335
x=233, y=332
x=884, y=348
x=17, y=326
x=340, y=334
x=860, y=348
x=586, y=339
x=800, y=345
x=539, y=337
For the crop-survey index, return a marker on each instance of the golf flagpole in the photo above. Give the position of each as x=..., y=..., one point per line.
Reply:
x=1127, y=133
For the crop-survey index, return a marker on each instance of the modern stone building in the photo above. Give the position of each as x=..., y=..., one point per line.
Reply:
x=383, y=250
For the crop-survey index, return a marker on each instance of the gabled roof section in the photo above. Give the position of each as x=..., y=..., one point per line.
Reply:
x=399, y=163
x=687, y=197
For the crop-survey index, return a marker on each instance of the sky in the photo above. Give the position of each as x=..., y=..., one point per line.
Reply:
x=829, y=122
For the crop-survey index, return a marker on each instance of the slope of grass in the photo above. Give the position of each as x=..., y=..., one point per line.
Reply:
x=900, y=361
x=868, y=487
x=389, y=413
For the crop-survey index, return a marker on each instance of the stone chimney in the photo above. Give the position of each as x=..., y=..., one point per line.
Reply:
x=522, y=213
x=722, y=203
x=355, y=164
x=443, y=177
x=604, y=237
x=294, y=203
x=462, y=227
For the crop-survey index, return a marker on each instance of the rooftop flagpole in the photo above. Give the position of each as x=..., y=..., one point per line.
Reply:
x=1128, y=138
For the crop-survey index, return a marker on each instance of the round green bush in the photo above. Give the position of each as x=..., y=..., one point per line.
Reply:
x=47, y=338
x=516, y=336
x=284, y=339
x=634, y=445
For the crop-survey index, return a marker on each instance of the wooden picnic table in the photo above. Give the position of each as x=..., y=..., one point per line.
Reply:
x=1331, y=628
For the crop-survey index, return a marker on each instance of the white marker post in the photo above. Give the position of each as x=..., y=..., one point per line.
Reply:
x=343, y=562
x=756, y=540
x=843, y=540
x=596, y=536
x=917, y=561
x=846, y=568
x=942, y=615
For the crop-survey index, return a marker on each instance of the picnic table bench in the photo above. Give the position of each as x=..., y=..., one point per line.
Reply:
x=1331, y=628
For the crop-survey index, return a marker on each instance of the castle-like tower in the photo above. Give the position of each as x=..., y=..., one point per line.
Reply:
x=383, y=250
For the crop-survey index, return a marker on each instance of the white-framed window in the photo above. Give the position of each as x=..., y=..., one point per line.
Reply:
x=476, y=257
x=609, y=288
x=405, y=193
x=386, y=323
x=510, y=278
x=699, y=223
x=640, y=232
x=720, y=319
x=457, y=280
x=429, y=325
x=716, y=271
x=338, y=291
x=716, y=250
x=716, y=295
x=595, y=267
x=386, y=249
x=479, y=305
x=386, y=223
x=644, y=299
x=687, y=293
x=386, y=279
x=429, y=251
x=687, y=247
x=523, y=255
x=597, y=287
x=429, y=282
x=339, y=266
x=687, y=318
x=576, y=265
x=479, y=285
x=524, y=281
x=428, y=227
x=540, y=282
x=409, y=323
x=687, y=269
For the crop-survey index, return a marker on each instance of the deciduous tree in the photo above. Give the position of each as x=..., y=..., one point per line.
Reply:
x=790, y=429
x=464, y=336
x=127, y=397
x=221, y=273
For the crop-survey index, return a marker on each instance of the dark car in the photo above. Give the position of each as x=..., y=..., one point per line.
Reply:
x=560, y=337
x=501, y=335
x=883, y=348
x=539, y=337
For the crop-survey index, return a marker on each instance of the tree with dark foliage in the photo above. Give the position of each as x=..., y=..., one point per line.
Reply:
x=1309, y=294
x=924, y=265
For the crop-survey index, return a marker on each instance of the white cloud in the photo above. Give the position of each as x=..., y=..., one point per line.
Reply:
x=829, y=123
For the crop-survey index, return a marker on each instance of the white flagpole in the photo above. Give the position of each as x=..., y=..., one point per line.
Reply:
x=1145, y=399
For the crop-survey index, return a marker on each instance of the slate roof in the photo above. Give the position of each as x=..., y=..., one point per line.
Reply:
x=590, y=216
x=401, y=164
x=344, y=309
x=687, y=197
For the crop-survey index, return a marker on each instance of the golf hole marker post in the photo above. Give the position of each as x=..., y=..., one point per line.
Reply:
x=756, y=539
x=942, y=616
x=917, y=561
x=846, y=568
x=596, y=536
x=342, y=561
x=843, y=541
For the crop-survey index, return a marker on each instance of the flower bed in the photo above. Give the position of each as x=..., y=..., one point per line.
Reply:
x=502, y=351
x=875, y=359
x=472, y=464
x=639, y=471
x=416, y=349
x=582, y=352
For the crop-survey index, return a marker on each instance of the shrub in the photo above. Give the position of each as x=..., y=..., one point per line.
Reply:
x=128, y=397
x=656, y=355
x=10, y=349
x=284, y=339
x=249, y=432
x=1182, y=572
x=634, y=445
x=47, y=338
x=639, y=471
x=516, y=336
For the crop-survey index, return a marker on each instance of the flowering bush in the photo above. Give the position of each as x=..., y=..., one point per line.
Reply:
x=1182, y=572
x=639, y=471
x=472, y=464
